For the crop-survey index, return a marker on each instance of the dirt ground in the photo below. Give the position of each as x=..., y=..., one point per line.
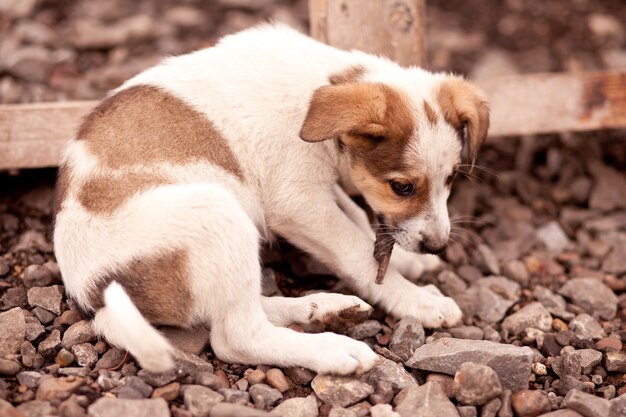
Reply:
x=536, y=258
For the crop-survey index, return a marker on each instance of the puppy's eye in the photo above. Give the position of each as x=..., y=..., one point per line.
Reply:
x=450, y=178
x=403, y=189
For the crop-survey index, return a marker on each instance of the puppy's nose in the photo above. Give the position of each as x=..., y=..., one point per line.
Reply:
x=434, y=247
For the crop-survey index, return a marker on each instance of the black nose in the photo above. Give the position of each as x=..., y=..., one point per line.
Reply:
x=429, y=246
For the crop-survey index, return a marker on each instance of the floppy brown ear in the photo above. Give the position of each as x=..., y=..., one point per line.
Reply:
x=464, y=107
x=346, y=108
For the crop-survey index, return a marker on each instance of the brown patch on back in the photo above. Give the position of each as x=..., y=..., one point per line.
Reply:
x=61, y=189
x=430, y=113
x=462, y=105
x=349, y=75
x=144, y=124
x=103, y=195
x=158, y=285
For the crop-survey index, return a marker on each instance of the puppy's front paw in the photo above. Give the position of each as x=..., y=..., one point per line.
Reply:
x=341, y=355
x=413, y=265
x=337, y=311
x=431, y=308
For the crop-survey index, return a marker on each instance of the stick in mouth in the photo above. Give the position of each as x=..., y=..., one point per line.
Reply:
x=382, y=248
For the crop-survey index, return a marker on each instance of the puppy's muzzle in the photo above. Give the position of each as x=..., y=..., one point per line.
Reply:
x=432, y=246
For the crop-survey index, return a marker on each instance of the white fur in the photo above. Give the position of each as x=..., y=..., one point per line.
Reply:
x=255, y=87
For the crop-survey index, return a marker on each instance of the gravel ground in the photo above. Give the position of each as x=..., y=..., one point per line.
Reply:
x=537, y=262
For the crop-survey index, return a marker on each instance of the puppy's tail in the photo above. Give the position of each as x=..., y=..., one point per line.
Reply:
x=121, y=323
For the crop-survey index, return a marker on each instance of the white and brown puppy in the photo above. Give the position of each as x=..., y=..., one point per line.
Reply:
x=172, y=181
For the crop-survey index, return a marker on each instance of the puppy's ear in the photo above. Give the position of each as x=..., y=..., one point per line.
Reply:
x=465, y=108
x=362, y=114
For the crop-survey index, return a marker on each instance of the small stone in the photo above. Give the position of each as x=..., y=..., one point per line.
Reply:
x=135, y=384
x=553, y=237
x=116, y=407
x=486, y=260
x=29, y=378
x=200, y=400
x=64, y=358
x=265, y=395
x=615, y=361
x=44, y=316
x=607, y=392
x=491, y=408
x=57, y=388
x=69, y=408
x=532, y=315
x=67, y=318
x=37, y=276
x=12, y=331
x=506, y=410
x=85, y=354
x=255, y=376
x=157, y=379
x=101, y=347
x=79, y=332
x=51, y=344
x=297, y=407
x=208, y=379
x=236, y=410
x=235, y=396
x=34, y=408
x=568, y=383
x=528, y=403
x=467, y=411
x=8, y=367
x=586, y=327
x=589, y=405
x=608, y=344
x=615, y=262
x=111, y=359
x=383, y=394
x=276, y=379
x=609, y=190
x=489, y=298
x=446, y=382
x=32, y=240
x=588, y=359
x=408, y=335
x=427, y=400
x=299, y=375
x=539, y=369
x=383, y=410
x=591, y=295
x=369, y=328
x=48, y=298
x=467, y=332
x=13, y=297
x=620, y=403
x=516, y=270
x=340, y=391
x=34, y=331
x=476, y=384
x=511, y=363
x=341, y=412
x=392, y=372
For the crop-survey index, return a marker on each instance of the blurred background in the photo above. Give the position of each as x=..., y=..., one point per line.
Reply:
x=78, y=49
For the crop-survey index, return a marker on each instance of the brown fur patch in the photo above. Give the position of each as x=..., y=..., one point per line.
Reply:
x=349, y=75
x=376, y=123
x=144, y=124
x=103, y=195
x=462, y=104
x=158, y=285
x=382, y=199
x=61, y=189
x=430, y=113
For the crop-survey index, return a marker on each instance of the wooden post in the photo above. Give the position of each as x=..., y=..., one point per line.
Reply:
x=393, y=28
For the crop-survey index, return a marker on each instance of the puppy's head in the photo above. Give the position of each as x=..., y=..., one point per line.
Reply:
x=405, y=142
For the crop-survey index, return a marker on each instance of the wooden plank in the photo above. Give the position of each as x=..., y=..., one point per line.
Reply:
x=393, y=28
x=547, y=103
x=34, y=135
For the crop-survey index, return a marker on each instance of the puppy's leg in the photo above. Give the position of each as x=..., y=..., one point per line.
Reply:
x=224, y=258
x=323, y=307
x=410, y=265
x=328, y=234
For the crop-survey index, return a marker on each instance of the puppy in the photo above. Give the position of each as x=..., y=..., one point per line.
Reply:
x=173, y=180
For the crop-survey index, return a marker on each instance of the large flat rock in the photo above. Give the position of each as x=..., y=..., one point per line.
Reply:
x=511, y=363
